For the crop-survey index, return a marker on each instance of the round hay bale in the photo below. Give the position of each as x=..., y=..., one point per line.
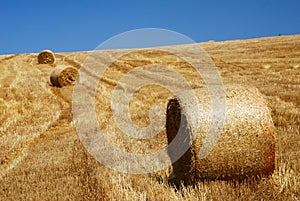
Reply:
x=245, y=147
x=46, y=57
x=63, y=76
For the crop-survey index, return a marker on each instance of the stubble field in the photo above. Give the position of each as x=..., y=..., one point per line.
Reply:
x=42, y=158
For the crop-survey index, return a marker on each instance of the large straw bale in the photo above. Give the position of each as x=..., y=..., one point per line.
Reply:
x=63, y=75
x=245, y=147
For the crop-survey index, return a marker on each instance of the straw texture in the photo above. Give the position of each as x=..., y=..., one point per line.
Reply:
x=63, y=76
x=245, y=147
x=46, y=57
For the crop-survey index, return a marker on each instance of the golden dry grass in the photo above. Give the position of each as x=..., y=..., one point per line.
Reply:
x=41, y=157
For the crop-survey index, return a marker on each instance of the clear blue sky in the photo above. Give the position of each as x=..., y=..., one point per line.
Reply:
x=31, y=26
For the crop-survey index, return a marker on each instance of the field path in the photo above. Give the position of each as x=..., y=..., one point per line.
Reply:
x=24, y=115
x=28, y=113
x=42, y=158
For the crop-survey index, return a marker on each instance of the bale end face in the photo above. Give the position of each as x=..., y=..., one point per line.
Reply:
x=46, y=57
x=63, y=76
x=182, y=166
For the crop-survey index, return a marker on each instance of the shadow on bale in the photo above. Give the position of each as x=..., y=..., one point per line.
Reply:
x=245, y=148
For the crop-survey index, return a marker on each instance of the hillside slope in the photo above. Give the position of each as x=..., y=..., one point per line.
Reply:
x=41, y=157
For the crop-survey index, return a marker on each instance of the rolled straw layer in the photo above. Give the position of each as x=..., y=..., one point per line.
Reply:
x=63, y=76
x=46, y=57
x=245, y=146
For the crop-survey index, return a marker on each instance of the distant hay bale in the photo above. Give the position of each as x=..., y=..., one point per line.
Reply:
x=63, y=76
x=46, y=57
x=245, y=147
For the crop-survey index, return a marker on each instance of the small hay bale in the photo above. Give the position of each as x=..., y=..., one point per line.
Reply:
x=245, y=147
x=46, y=57
x=63, y=76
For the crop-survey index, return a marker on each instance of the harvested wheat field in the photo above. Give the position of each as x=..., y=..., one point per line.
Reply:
x=42, y=158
